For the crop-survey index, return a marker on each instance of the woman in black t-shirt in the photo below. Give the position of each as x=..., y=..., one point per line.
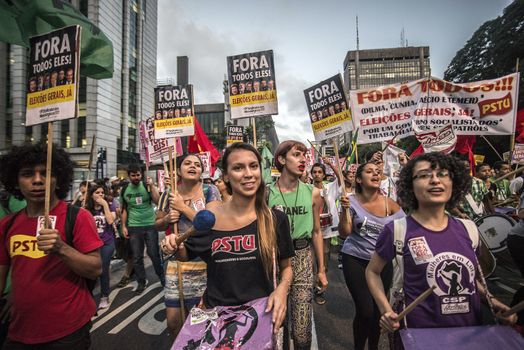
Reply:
x=247, y=238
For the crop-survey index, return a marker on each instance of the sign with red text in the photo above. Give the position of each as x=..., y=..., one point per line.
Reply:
x=328, y=109
x=440, y=139
x=156, y=150
x=480, y=108
x=205, y=158
x=54, y=66
x=252, y=85
x=174, y=111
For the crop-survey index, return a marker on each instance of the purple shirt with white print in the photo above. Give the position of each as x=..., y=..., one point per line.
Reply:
x=444, y=259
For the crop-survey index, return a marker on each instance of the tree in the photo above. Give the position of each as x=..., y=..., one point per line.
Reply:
x=263, y=126
x=493, y=50
x=490, y=53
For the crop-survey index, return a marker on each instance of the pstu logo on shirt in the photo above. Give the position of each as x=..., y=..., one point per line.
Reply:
x=25, y=245
x=236, y=245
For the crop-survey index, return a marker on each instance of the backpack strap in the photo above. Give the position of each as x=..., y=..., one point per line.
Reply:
x=473, y=232
x=399, y=234
x=71, y=214
x=8, y=225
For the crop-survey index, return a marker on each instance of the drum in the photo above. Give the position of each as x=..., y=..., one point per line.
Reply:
x=326, y=220
x=494, y=229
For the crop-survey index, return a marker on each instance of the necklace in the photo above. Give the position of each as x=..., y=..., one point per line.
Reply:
x=292, y=217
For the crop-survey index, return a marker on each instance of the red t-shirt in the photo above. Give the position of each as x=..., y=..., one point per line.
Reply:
x=50, y=301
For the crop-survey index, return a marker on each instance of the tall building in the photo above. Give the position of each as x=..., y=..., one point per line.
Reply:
x=108, y=108
x=376, y=67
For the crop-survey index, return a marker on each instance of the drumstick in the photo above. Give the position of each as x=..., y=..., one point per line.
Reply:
x=514, y=309
x=415, y=302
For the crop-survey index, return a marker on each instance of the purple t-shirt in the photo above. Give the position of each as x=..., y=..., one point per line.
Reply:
x=445, y=259
x=365, y=230
x=105, y=231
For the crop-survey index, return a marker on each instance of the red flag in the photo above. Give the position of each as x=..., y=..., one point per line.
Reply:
x=519, y=127
x=200, y=143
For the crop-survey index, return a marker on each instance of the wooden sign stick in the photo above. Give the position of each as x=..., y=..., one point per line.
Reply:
x=47, y=198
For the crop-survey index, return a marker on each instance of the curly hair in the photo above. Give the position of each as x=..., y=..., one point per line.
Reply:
x=29, y=156
x=460, y=178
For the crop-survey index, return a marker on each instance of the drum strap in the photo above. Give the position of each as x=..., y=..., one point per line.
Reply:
x=477, y=209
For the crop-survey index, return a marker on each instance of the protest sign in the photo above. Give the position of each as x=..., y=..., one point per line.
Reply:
x=328, y=108
x=252, y=85
x=205, y=158
x=161, y=175
x=53, y=76
x=517, y=156
x=480, y=108
x=479, y=158
x=440, y=139
x=310, y=158
x=156, y=149
x=174, y=111
x=234, y=134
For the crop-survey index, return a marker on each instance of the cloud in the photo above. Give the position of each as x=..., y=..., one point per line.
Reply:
x=207, y=50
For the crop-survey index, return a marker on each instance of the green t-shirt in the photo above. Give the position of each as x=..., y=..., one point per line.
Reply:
x=14, y=206
x=138, y=205
x=503, y=192
x=298, y=207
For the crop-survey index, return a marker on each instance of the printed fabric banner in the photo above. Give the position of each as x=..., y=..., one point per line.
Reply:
x=234, y=134
x=252, y=85
x=328, y=109
x=157, y=150
x=52, y=87
x=174, y=111
x=245, y=326
x=440, y=139
x=480, y=108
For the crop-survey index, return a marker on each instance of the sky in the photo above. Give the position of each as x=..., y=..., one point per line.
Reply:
x=309, y=39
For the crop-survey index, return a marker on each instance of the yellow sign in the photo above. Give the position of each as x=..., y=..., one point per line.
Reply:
x=25, y=245
x=253, y=98
x=479, y=158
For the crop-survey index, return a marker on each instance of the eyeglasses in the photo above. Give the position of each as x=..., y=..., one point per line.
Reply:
x=426, y=175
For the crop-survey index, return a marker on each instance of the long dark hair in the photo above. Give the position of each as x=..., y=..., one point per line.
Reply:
x=358, y=175
x=265, y=219
x=90, y=202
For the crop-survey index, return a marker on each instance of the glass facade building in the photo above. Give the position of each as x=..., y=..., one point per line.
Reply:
x=371, y=68
x=108, y=108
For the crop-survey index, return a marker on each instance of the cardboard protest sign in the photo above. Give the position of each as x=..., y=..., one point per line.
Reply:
x=252, y=85
x=328, y=108
x=174, y=111
x=160, y=175
x=310, y=158
x=53, y=76
x=235, y=134
x=517, y=156
x=205, y=158
x=479, y=158
x=478, y=108
x=156, y=149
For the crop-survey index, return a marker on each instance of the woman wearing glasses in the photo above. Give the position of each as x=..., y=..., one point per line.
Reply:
x=369, y=212
x=437, y=249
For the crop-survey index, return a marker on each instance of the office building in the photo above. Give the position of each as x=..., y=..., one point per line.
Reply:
x=377, y=67
x=108, y=108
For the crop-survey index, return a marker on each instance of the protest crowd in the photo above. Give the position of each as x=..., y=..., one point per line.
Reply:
x=242, y=247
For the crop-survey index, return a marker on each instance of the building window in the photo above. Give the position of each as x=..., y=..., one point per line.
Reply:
x=81, y=139
x=65, y=138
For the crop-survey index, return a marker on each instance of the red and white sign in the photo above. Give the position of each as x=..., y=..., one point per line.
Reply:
x=480, y=108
